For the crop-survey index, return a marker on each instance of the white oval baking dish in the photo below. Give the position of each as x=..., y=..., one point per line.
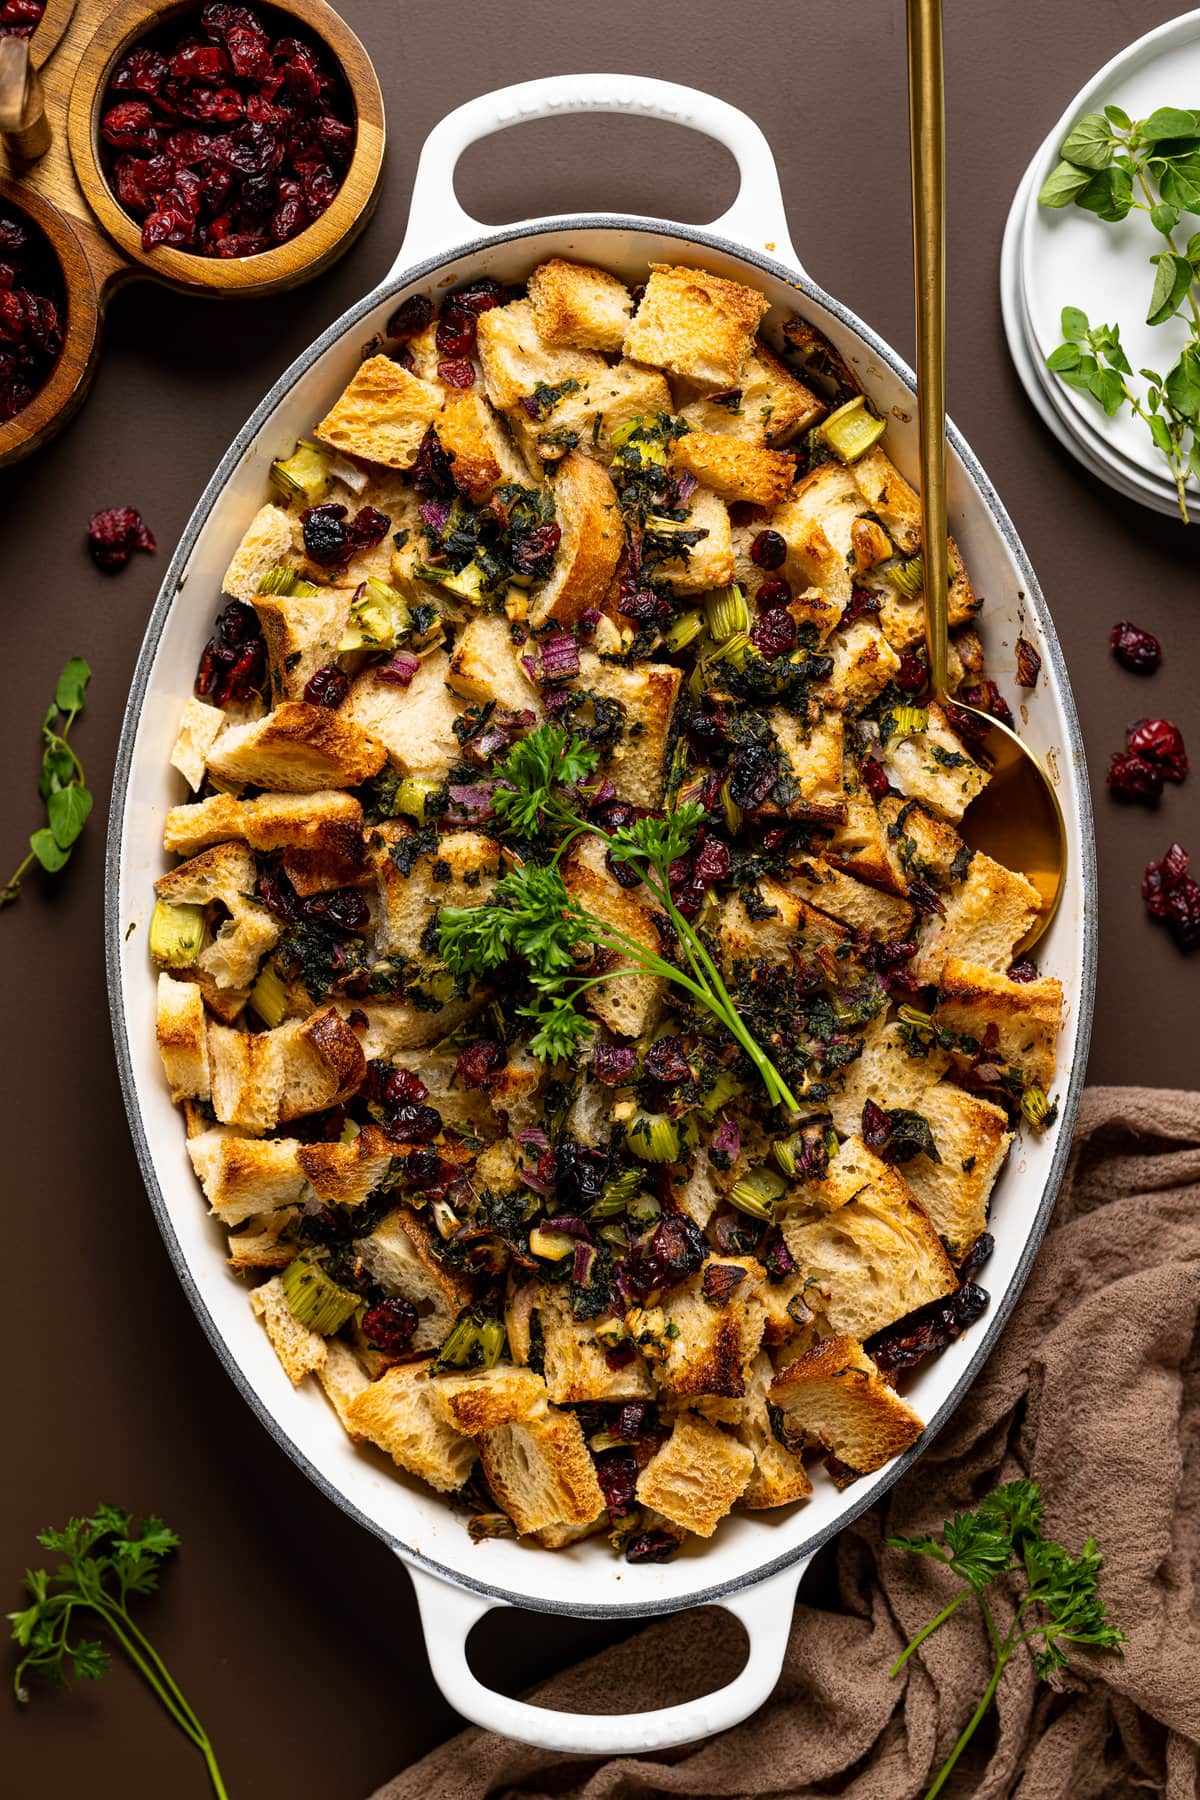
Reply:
x=754, y=1563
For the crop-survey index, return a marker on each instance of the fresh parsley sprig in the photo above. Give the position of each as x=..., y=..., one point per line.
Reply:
x=61, y=783
x=1061, y=1604
x=531, y=917
x=104, y=1562
x=1112, y=165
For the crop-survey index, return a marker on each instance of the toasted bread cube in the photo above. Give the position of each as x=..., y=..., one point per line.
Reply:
x=811, y=758
x=485, y=667
x=696, y=325
x=931, y=766
x=736, y=469
x=697, y=1475
x=516, y=359
x=394, y=1026
x=985, y=919
x=347, y=1174
x=515, y=1091
x=383, y=414
x=779, y=1476
x=709, y=563
x=260, y=1079
x=242, y=1177
x=226, y=873
x=329, y=823
x=182, y=1038
x=399, y=1255
x=972, y=1139
x=863, y=664
x=483, y=452
x=582, y=307
x=300, y=1350
x=259, y=1245
x=924, y=847
x=400, y=1414
x=297, y=749
x=859, y=843
x=557, y=1537
x=199, y=728
x=301, y=635
x=1027, y=1016
x=792, y=931
x=886, y=1072
x=903, y=615
x=461, y=870
x=834, y=1396
x=768, y=406
x=588, y=418
x=343, y=1379
x=271, y=537
x=636, y=764
x=575, y=1368
x=488, y=1399
x=585, y=503
x=629, y=1003
x=874, y=1259
x=415, y=724
x=887, y=918
x=890, y=498
x=701, y=1193
x=817, y=524
x=540, y=1472
x=715, y=1340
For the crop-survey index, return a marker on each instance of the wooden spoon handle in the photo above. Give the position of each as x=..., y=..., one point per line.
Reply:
x=23, y=118
x=927, y=144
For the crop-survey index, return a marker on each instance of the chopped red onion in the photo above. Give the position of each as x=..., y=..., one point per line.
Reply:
x=585, y=1257
x=472, y=804
x=399, y=672
x=727, y=1138
x=613, y=1063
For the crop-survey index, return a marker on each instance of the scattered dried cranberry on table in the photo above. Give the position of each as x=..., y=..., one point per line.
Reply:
x=227, y=141
x=114, y=535
x=1173, y=897
x=20, y=18
x=1136, y=650
x=1161, y=743
x=32, y=309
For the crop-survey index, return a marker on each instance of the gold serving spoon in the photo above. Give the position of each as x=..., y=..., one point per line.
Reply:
x=1017, y=819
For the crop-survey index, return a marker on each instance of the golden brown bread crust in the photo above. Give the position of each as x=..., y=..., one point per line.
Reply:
x=383, y=414
x=578, y=305
x=297, y=749
x=834, y=1396
x=585, y=502
x=695, y=324
x=697, y=1475
x=735, y=469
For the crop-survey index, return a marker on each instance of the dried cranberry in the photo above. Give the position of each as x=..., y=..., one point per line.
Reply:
x=30, y=322
x=1173, y=897
x=432, y=473
x=234, y=663
x=912, y=674
x=1024, y=969
x=457, y=372
x=326, y=541
x=327, y=686
x=143, y=71
x=876, y=1126
x=863, y=605
x=478, y=1063
x=924, y=896
x=200, y=62
x=927, y=1330
x=413, y=1124
x=390, y=1324
x=617, y=1473
x=645, y=606
x=1137, y=650
x=635, y=1420
x=1133, y=778
x=613, y=1064
x=774, y=633
x=776, y=592
x=410, y=318
x=769, y=550
x=15, y=239
x=986, y=697
x=129, y=126
x=875, y=777
x=652, y=1547
x=677, y=1248
x=532, y=552
x=455, y=334
x=1161, y=743
x=391, y=1086
x=477, y=296
x=114, y=535
x=712, y=862
x=666, y=1062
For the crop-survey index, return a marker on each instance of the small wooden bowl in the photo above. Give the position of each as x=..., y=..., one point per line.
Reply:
x=49, y=30
x=303, y=256
x=71, y=375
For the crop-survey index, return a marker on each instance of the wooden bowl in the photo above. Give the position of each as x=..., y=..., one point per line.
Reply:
x=71, y=375
x=117, y=29
x=50, y=28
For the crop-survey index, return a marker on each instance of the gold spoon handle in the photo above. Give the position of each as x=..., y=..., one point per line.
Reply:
x=927, y=147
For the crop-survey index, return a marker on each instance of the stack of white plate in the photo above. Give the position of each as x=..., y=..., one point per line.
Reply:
x=1056, y=257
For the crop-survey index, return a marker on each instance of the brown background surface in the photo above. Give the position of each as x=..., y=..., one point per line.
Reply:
x=293, y=1632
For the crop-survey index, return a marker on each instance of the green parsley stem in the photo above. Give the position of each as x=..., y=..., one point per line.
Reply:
x=925, y=1631
x=970, y=1729
x=157, y=1676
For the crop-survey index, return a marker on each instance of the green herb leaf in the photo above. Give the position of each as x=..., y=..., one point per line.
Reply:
x=1170, y=122
x=1105, y=384
x=1064, y=358
x=1171, y=283
x=58, y=769
x=1116, y=116
x=1164, y=218
x=1062, y=184
x=61, y=784
x=1182, y=383
x=1179, y=182
x=48, y=851
x=68, y=695
x=1091, y=144
x=1074, y=324
x=1109, y=194
x=68, y=809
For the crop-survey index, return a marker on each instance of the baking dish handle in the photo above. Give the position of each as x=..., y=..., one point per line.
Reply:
x=437, y=222
x=448, y=1615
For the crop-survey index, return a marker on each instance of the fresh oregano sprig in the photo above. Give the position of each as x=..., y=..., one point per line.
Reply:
x=531, y=916
x=105, y=1561
x=61, y=783
x=1060, y=1605
x=1112, y=165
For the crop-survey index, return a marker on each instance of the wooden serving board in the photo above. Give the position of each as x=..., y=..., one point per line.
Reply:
x=98, y=245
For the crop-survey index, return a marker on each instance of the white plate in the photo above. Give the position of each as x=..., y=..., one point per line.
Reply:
x=1077, y=423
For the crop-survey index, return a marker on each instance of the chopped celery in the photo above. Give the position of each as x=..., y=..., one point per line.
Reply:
x=379, y=618
x=757, y=1192
x=315, y=1299
x=553, y=1245
x=733, y=651
x=305, y=472
x=616, y=1194
x=728, y=613
x=469, y=583
x=908, y=576
x=684, y=629
x=412, y=797
x=1034, y=1104
x=731, y=809
x=907, y=721
x=268, y=997
x=282, y=579
x=638, y=442
x=350, y=1130
x=176, y=933
x=611, y=1332
x=653, y=1137
x=475, y=1342
x=725, y=1087
x=645, y=1209
x=851, y=429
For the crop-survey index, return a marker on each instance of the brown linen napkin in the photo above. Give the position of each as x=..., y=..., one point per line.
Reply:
x=1094, y=1390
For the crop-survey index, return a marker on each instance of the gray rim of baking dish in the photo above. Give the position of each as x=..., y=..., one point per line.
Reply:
x=1031, y=593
